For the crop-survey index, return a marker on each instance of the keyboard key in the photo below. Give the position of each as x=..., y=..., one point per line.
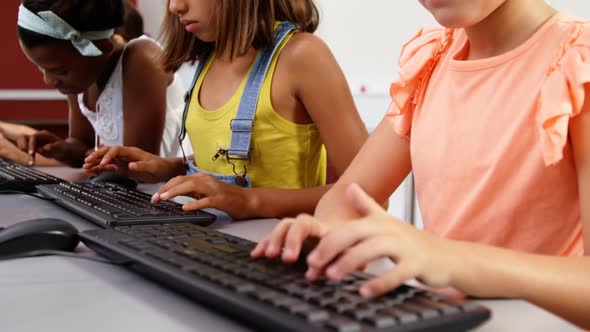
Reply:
x=342, y=306
x=266, y=294
x=423, y=311
x=380, y=321
x=243, y=287
x=323, y=301
x=313, y=315
x=401, y=316
x=342, y=324
x=299, y=307
x=445, y=309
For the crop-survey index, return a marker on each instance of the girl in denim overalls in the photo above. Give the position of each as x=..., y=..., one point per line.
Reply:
x=267, y=101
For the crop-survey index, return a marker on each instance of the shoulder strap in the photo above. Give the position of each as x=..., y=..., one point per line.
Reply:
x=243, y=124
x=187, y=98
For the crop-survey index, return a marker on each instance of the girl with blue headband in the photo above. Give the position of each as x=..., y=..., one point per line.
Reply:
x=118, y=94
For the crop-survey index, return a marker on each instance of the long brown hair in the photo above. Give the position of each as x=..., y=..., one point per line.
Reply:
x=241, y=24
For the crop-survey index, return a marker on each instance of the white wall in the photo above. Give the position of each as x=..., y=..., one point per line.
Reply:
x=153, y=13
x=366, y=37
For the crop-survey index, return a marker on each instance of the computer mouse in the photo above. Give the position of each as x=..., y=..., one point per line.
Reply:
x=38, y=234
x=115, y=178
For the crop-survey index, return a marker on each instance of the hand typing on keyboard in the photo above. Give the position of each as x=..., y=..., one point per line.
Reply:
x=43, y=142
x=49, y=145
x=146, y=167
x=10, y=151
x=134, y=163
x=343, y=250
x=209, y=192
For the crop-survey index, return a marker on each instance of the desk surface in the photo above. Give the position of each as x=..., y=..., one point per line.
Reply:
x=68, y=294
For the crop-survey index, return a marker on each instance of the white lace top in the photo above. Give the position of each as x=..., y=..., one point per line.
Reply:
x=107, y=121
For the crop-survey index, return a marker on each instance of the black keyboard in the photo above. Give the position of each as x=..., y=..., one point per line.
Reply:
x=108, y=204
x=216, y=269
x=15, y=177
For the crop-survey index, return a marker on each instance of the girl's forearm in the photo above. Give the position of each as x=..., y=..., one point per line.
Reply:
x=12, y=130
x=175, y=167
x=281, y=203
x=558, y=284
x=334, y=204
x=44, y=161
x=73, y=152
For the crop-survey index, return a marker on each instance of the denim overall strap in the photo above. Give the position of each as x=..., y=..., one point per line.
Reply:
x=187, y=98
x=239, y=180
x=243, y=124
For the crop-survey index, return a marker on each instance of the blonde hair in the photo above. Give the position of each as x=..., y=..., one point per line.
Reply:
x=241, y=24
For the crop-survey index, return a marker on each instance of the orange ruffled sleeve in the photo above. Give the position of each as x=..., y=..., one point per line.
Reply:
x=417, y=60
x=562, y=94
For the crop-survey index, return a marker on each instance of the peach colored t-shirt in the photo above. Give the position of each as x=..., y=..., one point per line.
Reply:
x=489, y=138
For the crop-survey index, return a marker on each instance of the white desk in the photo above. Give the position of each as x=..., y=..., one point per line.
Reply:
x=68, y=294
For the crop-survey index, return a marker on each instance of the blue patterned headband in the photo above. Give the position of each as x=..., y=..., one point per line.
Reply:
x=49, y=24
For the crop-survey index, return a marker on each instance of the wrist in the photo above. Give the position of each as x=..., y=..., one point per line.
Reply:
x=458, y=263
x=23, y=158
x=175, y=166
x=483, y=271
x=253, y=206
x=71, y=152
x=71, y=158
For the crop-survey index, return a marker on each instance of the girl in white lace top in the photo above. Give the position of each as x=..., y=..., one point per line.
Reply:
x=108, y=117
x=118, y=94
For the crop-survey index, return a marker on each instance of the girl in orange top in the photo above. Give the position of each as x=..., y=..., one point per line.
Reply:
x=492, y=115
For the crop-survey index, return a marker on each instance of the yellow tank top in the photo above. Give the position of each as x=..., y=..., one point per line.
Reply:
x=284, y=154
